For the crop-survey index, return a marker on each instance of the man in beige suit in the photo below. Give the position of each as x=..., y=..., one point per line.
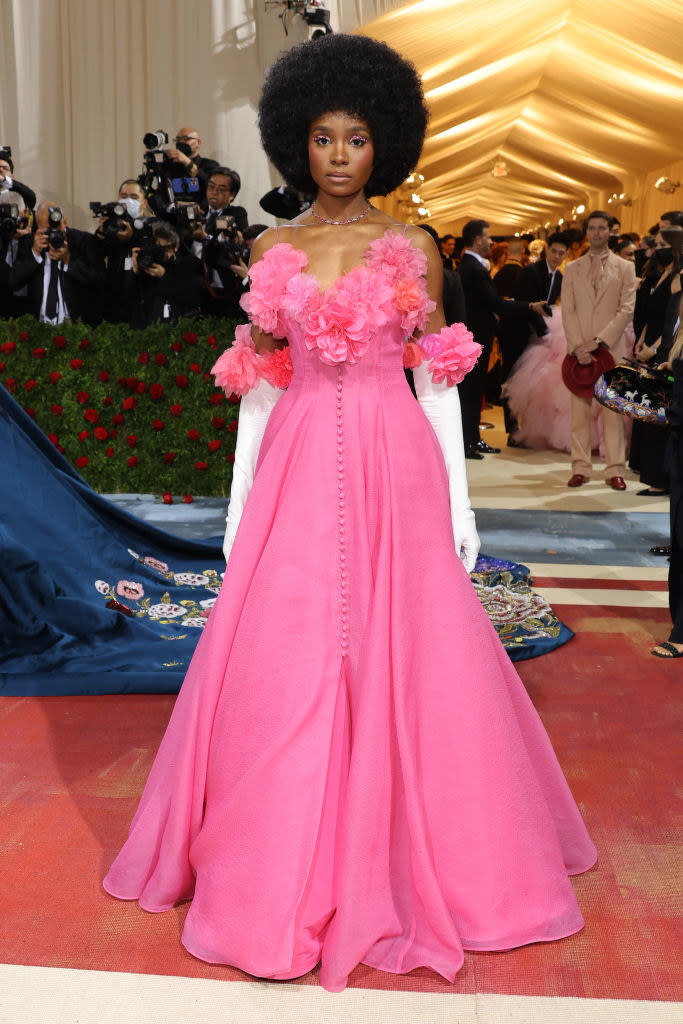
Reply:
x=598, y=295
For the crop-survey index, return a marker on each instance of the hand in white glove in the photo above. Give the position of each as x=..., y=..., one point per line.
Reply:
x=255, y=409
x=441, y=405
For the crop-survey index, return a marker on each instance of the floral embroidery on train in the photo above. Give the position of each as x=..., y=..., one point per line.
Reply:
x=129, y=598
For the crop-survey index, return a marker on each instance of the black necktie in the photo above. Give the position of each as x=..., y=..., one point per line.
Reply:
x=52, y=294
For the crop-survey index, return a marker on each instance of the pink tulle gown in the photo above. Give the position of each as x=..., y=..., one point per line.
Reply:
x=353, y=771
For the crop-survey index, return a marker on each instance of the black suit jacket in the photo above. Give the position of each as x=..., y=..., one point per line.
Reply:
x=482, y=301
x=534, y=281
x=26, y=193
x=182, y=289
x=81, y=283
x=453, y=298
x=238, y=213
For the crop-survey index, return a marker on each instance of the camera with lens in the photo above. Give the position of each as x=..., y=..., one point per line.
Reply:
x=143, y=239
x=10, y=221
x=223, y=249
x=151, y=254
x=143, y=234
x=116, y=217
x=155, y=140
x=155, y=179
x=56, y=236
x=188, y=215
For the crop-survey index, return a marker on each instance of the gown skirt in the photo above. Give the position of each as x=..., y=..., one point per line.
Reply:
x=353, y=771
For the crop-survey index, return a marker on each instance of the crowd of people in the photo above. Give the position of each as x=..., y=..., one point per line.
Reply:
x=559, y=312
x=171, y=243
x=582, y=291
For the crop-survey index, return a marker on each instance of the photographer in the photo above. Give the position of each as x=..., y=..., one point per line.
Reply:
x=185, y=160
x=222, y=187
x=15, y=223
x=60, y=268
x=113, y=240
x=226, y=266
x=164, y=282
x=9, y=183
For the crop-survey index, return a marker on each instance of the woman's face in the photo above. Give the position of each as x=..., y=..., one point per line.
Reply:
x=340, y=153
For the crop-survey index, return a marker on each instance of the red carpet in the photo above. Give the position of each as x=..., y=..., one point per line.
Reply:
x=73, y=768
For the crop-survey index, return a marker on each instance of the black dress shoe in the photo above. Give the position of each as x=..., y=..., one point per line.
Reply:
x=472, y=453
x=486, y=449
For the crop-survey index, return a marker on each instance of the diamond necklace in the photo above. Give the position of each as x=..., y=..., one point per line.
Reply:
x=351, y=220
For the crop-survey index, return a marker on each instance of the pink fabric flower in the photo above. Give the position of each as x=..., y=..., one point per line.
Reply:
x=301, y=295
x=278, y=369
x=238, y=369
x=412, y=299
x=453, y=353
x=349, y=314
x=269, y=278
x=243, y=338
x=131, y=589
x=396, y=257
x=412, y=355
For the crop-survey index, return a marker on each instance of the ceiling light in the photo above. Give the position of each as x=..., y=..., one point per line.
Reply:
x=665, y=184
x=581, y=208
x=500, y=168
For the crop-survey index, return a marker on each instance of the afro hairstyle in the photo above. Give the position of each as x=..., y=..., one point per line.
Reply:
x=353, y=74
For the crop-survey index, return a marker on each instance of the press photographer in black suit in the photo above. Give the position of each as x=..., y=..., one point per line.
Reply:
x=15, y=224
x=185, y=160
x=222, y=187
x=483, y=305
x=165, y=281
x=60, y=268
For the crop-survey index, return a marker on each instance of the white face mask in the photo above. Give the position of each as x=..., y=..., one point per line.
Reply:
x=132, y=205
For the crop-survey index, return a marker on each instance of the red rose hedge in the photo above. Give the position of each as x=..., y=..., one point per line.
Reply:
x=163, y=405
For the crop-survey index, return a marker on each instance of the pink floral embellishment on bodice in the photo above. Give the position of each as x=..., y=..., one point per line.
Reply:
x=349, y=314
x=341, y=321
x=270, y=278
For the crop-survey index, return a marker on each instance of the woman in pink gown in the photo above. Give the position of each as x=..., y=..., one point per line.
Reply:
x=353, y=771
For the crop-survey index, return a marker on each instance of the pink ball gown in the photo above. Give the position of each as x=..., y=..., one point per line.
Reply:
x=353, y=771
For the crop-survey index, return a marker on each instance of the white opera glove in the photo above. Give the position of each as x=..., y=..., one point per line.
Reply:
x=255, y=409
x=441, y=405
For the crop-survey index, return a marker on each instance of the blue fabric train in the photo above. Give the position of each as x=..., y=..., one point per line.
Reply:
x=92, y=600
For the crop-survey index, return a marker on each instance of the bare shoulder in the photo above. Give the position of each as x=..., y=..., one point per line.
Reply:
x=424, y=241
x=265, y=241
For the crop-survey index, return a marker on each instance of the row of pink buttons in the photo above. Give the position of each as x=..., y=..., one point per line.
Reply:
x=343, y=580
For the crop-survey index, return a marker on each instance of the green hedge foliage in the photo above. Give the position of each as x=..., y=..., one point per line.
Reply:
x=133, y=411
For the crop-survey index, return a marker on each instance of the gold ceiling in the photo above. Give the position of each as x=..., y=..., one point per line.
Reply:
x=576, y=96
